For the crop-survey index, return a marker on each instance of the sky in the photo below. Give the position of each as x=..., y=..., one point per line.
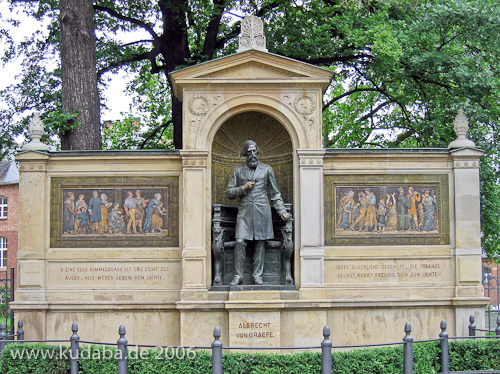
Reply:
x=117, y=100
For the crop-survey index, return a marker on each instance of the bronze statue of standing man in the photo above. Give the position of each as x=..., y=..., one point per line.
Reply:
x=251, y=182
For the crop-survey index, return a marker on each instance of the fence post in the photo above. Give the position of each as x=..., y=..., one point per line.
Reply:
x=497, y=329
x=445, y=349
x=217, y=353
x=11, y=299
x=75, y=349
x=472, y=327
x=408, y=351
x=122, y=347
x=20, y=331
x=326, y=352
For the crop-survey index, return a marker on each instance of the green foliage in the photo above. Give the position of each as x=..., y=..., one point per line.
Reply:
x=464, y=355
x=4, y=301
x=57, y=122
x=403, y=69
x=48, y=361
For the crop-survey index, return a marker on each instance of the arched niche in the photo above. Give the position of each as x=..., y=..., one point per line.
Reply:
x=275, y=146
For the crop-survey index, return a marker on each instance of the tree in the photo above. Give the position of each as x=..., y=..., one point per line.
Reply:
x=403, y=67
x=79, y=80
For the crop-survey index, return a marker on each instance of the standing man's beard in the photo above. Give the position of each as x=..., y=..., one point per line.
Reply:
x=252, y=162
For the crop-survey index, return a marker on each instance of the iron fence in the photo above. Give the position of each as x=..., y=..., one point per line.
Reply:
x=491, y=283
x=6, y=296
x=217, y=347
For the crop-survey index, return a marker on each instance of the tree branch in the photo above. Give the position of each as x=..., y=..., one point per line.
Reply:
x=135, y=21
x=213, y=28
x=373, y=111
x=155, y=131
x=117, y=64
x=137, y=42
x=337, y=98
x=402, y=137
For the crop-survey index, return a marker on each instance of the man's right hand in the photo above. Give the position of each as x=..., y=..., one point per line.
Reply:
x=248, y=186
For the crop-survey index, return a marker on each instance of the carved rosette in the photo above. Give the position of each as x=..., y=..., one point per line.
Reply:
x=32, y=166
x=466, y=164
x=196, y=159
x=304, y=105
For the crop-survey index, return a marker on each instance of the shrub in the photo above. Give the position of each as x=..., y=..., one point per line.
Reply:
x=464, y=355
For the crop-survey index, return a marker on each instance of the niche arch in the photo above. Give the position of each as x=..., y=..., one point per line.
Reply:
x=273, y=140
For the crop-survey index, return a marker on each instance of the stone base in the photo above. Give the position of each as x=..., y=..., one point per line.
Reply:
x=276, y=318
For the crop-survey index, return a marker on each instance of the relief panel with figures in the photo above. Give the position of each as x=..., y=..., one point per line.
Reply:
x=402, y=209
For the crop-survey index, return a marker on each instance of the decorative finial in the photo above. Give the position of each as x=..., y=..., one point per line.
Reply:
x=35, y=130
x=461, y=125
x=326, y=332
x=252, y=35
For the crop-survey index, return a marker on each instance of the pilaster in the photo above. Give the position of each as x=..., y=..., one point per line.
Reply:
x=195, y=197
x=34, y=218
x=467, y=219
x=311, y=226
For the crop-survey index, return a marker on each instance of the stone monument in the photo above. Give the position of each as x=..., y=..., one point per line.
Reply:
x=364, y=277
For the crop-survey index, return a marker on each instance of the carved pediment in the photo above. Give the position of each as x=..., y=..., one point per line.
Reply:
x=253, y=70
x=250, y=67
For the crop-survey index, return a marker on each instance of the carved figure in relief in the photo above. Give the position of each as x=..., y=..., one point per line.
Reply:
x=130, y=206
x=83, y=218
x=251, y=183
x=428, y=202
x=140, y=206
x=367, y=219
x=115, y=220
x=402, y=208
x=69, y=214
x=95, y=211
x=381, y=216
x=413, y=198
x=153, y=205
x=345, y=216
x=78, y=205
x=157, y=220
x=106, y=205
x=392, y=221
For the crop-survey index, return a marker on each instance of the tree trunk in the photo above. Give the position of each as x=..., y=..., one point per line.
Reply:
x=79, y=79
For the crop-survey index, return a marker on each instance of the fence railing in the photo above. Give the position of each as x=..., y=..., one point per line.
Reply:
x=216, y=347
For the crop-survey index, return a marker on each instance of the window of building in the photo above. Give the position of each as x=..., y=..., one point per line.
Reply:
x=3, y=207
x=3, y=252
x=486, y=275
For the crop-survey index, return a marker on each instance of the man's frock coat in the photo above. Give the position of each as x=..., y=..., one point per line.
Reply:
x=254, y=221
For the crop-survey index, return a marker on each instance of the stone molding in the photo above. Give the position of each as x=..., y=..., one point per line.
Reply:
x=311, y=157
x=32, y=166
x=194, y=159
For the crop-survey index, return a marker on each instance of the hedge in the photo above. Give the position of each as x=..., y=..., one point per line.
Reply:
x=464, y=355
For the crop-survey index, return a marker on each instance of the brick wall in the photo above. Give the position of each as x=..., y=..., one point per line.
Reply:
x=9, y=226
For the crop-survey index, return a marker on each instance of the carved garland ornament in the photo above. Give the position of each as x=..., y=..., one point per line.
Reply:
x=199, y=105
x=304, y=105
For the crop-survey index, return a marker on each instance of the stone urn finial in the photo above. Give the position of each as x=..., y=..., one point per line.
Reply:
x=35, y=130
x=252, y=35
x=461, y=125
